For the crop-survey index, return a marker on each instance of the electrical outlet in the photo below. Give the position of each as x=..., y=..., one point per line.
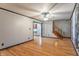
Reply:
x=28, y=37
x=2, y=44
x=29, y=28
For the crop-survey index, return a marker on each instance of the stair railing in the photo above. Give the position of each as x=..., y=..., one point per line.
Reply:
x=58, y=30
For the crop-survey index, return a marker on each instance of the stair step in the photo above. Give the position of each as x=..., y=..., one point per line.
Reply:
x=58, y=34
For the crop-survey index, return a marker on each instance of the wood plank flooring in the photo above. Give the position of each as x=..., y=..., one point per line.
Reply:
x=50, y=47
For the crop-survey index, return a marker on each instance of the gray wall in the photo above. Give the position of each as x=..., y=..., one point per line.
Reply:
x=14, y=29
x=47, y=29
x=65, y=26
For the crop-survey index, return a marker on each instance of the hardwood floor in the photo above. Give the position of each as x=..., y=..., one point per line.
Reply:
x=50, y=47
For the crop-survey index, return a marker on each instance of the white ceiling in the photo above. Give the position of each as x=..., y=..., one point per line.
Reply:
x=57, y=10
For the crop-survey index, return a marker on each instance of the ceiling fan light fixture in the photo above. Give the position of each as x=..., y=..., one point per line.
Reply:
x=48, y=15
x=45, y=15
x=45, y=19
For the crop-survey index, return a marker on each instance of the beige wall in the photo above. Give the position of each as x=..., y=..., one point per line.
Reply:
x=14, y=29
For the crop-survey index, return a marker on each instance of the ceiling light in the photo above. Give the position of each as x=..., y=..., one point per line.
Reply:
x=45, y=16
x=45, y=19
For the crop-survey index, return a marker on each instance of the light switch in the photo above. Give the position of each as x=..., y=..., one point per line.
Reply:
x=29, y=28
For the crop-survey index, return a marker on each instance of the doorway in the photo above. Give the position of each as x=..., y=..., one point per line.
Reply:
x=37, y=32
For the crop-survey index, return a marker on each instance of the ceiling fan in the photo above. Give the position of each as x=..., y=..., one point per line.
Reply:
x=46, y=14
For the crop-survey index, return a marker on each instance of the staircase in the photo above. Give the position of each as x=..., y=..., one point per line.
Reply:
x=58, y=32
